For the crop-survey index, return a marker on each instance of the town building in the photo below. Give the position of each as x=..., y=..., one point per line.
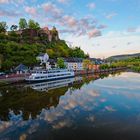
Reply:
x=74, y=63
x=95, y=63
x=20, y=69
x=46, y=34
x=44, y=59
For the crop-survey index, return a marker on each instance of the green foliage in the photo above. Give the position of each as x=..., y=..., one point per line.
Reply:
x=60, y=63
x=86, y=63
x=132, y=63
x=104, y=66
x=136, y=68
x=3, y=27
x=33, y=25
x=3, y=38
x=60, y=49
x=23, y=23
x=77, y=52
x=12, y=36
x=14, y=53
x=23, y=46
x=1, y=59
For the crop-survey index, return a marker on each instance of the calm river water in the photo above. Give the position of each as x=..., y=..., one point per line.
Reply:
x=95, y=107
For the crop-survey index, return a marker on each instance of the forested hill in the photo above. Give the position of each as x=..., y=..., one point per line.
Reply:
x=25, y=41
x=123, y=57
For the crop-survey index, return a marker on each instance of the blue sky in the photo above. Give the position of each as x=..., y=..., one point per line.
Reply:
x=100, y=27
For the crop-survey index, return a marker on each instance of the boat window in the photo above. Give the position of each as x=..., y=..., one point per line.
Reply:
x=37, y=77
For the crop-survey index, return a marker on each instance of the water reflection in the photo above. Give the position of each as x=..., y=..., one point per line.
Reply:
x=46, y=86
x=27, y=97
x=81, y=107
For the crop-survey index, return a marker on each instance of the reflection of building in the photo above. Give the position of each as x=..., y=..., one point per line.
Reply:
x=74, y=63
x=31, y=101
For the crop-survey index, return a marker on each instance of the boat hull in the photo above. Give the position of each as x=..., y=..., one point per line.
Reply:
x=43, y=80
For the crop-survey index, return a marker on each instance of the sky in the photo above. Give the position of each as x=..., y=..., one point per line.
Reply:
x=101, y=28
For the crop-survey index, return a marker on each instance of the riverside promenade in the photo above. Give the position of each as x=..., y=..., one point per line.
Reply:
x=15, y=78
x=12, y=78
x=85, y=72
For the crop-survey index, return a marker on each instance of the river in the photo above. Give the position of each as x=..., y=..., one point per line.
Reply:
x=93, y=107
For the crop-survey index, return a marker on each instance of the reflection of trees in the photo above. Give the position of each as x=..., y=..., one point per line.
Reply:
x=85, y=80
x=28, y=100
x=31, y=101
x=106, y=74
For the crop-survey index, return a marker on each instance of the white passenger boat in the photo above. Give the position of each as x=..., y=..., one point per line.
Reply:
x=46, y=75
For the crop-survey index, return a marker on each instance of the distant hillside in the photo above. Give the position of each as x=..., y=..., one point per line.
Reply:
x=122, y=57
x=24, y=44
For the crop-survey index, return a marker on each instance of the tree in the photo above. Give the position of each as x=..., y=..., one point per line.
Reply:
x=1, y=58
x=86, y=64
x=51, y=53
x=104, y=66
x=60, y=63
x=22, y=23
x=77, y=52
x=3, y=26
x=13, y=27
x=33, y=25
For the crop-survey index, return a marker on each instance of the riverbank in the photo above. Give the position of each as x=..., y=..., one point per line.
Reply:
x=84, y=72
x=12, y=78
x=16, y=78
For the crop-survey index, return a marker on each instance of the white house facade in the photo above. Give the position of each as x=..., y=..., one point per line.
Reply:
x=43, y=58
x=74, y=63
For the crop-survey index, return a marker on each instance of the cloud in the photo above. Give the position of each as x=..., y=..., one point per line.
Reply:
x=93, y=93
x=94, y=33
x=111, y=15
x=53, y=14
x=62, y=124
x=107, y=41
x=4, y=1
x=132, y=29
x=91, y=5
x=129, y=43
x=110, y=108
x=72, y=104
x=80, y=27
x=114, y=46
x=91, y=118
x=63, y=1
x=31, y=10
x=66, y=31
x=102, y=26
x=69, y=21
x=52, y=9
x=11, y=1
x=9, y=13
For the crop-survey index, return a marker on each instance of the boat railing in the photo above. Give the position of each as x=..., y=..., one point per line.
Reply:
x=49, y=71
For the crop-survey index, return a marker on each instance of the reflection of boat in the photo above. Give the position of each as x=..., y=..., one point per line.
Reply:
x=46, y=75
x=45, y=86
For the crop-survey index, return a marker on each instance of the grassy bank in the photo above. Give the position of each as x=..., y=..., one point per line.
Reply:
x=136, y=68
x=131, y=63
